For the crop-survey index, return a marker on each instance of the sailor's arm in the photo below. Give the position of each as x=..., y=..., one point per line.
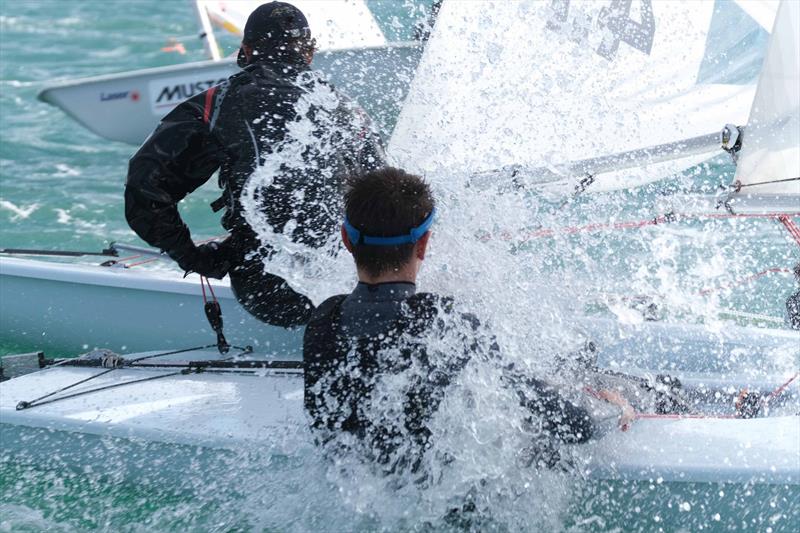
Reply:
x=793, y=309
x=177, y=158
x=614, y=397
x=563, y=419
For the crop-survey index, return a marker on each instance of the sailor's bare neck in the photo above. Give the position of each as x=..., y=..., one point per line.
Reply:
x=407, y=274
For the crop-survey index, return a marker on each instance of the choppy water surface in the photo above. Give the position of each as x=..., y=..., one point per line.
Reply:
x=61, y=186
x=294, y=490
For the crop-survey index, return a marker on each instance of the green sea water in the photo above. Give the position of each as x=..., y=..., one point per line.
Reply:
x=61, y=187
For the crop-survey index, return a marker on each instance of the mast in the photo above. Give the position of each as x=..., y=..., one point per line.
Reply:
x=207, y=31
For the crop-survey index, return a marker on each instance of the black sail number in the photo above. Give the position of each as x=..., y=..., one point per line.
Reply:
x=614, y=21
x=638, y=35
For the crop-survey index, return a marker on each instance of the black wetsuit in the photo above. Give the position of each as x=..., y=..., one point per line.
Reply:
x=235, y=127
x=793, y=310
x=341, y=351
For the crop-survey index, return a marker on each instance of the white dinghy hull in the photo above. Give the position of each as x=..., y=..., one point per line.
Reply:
x=239, y=409
x=74, y=307
x=127, y=106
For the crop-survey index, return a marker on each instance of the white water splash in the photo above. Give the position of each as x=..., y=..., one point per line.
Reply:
x=63, y=216
x=19, y=212
x=317, y=272
x=22, y=518
x=66, y=171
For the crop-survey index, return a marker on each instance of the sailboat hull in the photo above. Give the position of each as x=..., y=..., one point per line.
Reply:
x=242, y=411
x=127, y=106
x=73, y=307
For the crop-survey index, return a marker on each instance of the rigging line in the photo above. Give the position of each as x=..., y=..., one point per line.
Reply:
x=791, y=227
x=666, y=416
x=122, y=259
x=742, y=281
x=104, y=372
x=755, y=316
x=780, y=389
x=143, y=262
x=213, y=312
x=642, y=382
x=203, y=282
x=61, y=253
x=67, y=361
x=636, y=224
x=35, y=403
x=205, y=347
x=739, y=186
x=25, y=405
x=703, y=292
x=223, y=364
x=243, y=350
x=645, y=416
x=211, y=289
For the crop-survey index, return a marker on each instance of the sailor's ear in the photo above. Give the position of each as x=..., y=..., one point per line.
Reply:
x=346, y=240
x=422, y=245
x=245, y=53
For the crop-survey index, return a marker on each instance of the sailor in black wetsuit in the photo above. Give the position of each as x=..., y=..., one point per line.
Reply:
x=277, y=115
x=354, y=342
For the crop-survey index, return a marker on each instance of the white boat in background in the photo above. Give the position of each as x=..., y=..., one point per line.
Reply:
x=75, y=307
x=353, y=53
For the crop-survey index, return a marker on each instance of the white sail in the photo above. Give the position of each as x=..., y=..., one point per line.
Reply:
x=335, y=24
x=545, y=83
x=762, y=11
x=769, y=162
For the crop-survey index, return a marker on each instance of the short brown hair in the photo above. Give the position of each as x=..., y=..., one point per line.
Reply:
x=386, y=203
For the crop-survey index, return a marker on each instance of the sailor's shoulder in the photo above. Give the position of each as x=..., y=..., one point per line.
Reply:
x=312, y=77
x=429, y=300
x=245, y=79
x=319, y=333
x=192, y=108
x=239, y=76
x=326, y=308
x=426, y=307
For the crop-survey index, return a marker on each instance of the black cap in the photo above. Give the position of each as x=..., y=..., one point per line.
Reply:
x=277, y=22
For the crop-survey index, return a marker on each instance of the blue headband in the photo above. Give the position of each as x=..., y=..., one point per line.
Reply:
x=356, y=237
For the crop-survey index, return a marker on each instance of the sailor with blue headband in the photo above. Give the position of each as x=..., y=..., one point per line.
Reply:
x=357, y=237
x=379, y=331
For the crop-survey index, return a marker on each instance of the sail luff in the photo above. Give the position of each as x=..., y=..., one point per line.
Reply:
x=769, y=161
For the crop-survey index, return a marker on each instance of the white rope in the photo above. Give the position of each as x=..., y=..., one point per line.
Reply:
x=753, y=315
